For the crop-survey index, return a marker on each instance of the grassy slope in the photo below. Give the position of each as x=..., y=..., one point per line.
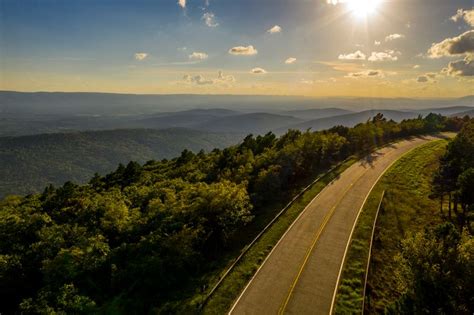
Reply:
x=406, y=208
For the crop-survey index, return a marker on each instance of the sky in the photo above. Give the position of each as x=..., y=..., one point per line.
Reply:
x=319, y=48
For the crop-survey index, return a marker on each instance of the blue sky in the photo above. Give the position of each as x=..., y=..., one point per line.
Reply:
x=163, y=46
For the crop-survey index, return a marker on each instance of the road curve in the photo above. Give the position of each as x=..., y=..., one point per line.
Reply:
x=300, y=274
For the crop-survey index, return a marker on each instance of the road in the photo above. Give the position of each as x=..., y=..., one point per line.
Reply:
x=300, y=274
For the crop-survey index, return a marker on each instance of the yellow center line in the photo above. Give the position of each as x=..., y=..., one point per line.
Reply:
x=313, y=244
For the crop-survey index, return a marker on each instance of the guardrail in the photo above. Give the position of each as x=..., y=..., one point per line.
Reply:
x=259, y=235
x=370, y=251
x=247, y=247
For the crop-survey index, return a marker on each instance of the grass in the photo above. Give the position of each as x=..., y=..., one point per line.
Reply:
x=406, y=208
x=233, y=284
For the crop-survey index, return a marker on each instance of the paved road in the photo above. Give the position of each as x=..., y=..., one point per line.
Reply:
x=300, y=275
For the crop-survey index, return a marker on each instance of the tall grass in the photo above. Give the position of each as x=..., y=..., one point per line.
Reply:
x=405, y=208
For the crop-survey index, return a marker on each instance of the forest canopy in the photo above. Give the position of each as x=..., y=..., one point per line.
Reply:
x=131, y=239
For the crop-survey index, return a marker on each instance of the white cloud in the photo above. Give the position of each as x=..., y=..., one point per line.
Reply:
x=198, y=56
x=358, y=55
x=140, y=56
x=388, y=55
x=290, y=60
x=258, y=71
x=243, y=50
x=392, y=37
x=461, y=68
x=466, y=15
x=182, y=3
x=377, y=43
x=462, y=44
x=275, y=29
x=201, y=80
x=210, y=19
x=366, y=74
x=197, y=79
x=416, y=66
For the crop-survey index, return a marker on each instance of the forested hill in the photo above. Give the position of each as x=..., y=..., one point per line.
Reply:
x=136, y=240
x=29, y=163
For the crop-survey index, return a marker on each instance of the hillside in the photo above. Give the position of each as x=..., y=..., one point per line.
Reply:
x=316, y=113
x=350, y=120
x=256, y=123
x=469, y=113
x=149, y=238
x=28, y=163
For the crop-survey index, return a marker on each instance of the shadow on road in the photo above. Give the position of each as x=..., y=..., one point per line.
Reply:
x=369, y=159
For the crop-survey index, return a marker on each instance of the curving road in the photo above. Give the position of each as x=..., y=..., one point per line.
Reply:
x=300, y=274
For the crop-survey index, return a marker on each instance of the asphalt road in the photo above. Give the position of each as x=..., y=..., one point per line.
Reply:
x=300, y=274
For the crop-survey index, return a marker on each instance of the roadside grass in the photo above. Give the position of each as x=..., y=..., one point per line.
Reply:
x=221, y=301
x=406, y=208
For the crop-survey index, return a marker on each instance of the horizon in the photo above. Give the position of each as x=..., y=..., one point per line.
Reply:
x=350, y=97
x=319, y=49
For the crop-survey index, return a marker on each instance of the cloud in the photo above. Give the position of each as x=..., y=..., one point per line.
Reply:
x=393, y=37
x=416, y=66
x=358, y=55
x=366, y=74
x=275, y=29
x=198, y=56
x=244, y=51
x=307, y=82
x=224, y=78
x=422, y=79
x=140, y=56
x=427, y=78
x=336, y=1
x=197, y=79
x=182, y=3
x=210, y=19
x=201, y=80
x=462, y=44
x=258, y=71
x=460, y=68
x=388, y=55
x=466, y=15
x=377, y=43
x=290, y=60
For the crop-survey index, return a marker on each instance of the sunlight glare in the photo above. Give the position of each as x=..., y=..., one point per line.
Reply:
x=363, y=8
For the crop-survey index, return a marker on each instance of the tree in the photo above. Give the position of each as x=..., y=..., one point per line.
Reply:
x=436, y=273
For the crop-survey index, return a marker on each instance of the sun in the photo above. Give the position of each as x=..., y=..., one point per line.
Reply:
x=363, y=8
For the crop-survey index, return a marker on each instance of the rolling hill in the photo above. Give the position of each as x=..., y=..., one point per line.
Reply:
x=256, y=123
x=28, y=163
x=350, y=120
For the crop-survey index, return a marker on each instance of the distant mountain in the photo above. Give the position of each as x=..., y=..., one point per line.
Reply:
x=446, y=111
x=109, y=104
x=469, y=113
x=256, y=123
x=316, y=113
x=350, y=120
x=185, y=119
x=29, y=163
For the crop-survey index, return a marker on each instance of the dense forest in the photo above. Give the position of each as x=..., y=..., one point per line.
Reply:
x=29, y=163
x=436, y=267
x=128, y=241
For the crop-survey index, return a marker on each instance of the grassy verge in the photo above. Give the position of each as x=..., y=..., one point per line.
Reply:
x=236, y=280
x=405, y=208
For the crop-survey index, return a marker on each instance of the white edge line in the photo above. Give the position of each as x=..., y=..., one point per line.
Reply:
x=279, y=241
x=357, y=218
